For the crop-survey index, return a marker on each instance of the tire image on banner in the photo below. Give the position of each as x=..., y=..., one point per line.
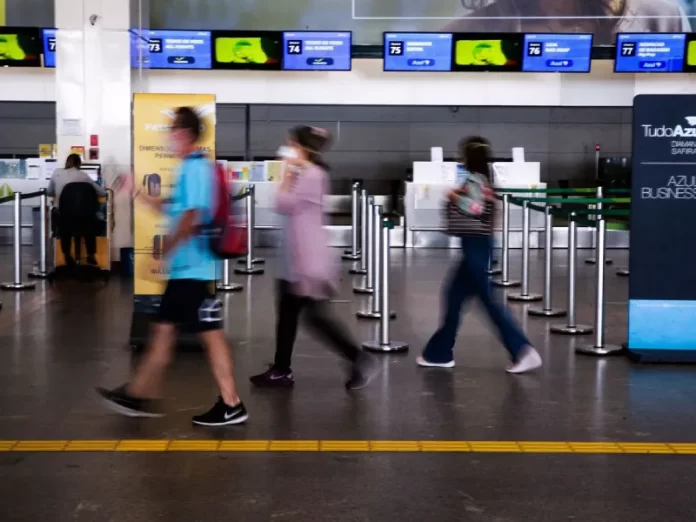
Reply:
x=155, y=170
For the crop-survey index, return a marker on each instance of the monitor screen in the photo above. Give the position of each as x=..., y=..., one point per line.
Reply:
x=317, y=51
x=49, y=47
x=172, y=49
x=417, y=52
x=644, y=52
x=487, y=52
x=20, y=47
x=254, y=50
x=570, y=53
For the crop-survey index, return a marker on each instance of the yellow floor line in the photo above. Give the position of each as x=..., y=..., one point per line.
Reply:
x=341, y=446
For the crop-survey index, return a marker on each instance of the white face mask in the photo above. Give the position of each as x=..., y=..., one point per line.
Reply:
x=286, y=152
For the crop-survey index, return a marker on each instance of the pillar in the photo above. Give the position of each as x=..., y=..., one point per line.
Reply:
x=94, y=90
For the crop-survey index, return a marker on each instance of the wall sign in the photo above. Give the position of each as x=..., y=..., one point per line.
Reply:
x=662, y=292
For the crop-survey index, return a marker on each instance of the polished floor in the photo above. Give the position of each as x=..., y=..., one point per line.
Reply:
x=56, y=344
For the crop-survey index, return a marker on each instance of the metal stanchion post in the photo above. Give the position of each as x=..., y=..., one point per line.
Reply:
x=353, y=254
x=524, y=295
x=547, y=309
x=375, y=311
x=41, y=271
x=505, y=281
x=384, y=344
x=572, y=328
x=17, y=283
x=599, y=206
x=226, y=285
x=369, y=250
x=364, y=231
x=249, y=268
x=623, y=272
x=599, y=348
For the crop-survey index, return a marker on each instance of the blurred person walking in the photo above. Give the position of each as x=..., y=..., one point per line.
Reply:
x=306, y=280
x=189, y=300
x=473, y=205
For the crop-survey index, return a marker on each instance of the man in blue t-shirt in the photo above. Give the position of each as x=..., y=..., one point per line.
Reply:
x=189, y=300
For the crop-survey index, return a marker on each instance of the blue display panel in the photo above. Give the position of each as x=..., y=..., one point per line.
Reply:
x=570, y=53
x=417, y=51
x=172, y=49
x=49, y=47
x=645, y=52
x=317, y=51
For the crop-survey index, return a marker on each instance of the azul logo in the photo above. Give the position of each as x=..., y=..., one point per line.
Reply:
x=678, y=131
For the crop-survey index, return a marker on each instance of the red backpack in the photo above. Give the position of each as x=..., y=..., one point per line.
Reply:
x=227, y=232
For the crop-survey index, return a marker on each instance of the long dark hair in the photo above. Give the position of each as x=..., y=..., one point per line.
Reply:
x=314, y=141
x=475, y=154
x=73, y=161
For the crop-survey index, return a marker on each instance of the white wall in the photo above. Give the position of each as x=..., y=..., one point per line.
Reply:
x=367, y=84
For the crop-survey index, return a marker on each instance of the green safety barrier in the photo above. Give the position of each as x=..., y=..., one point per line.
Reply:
x=569, y=191
x=577, y=201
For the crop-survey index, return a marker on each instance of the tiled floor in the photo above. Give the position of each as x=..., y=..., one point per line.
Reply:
x=55, y=346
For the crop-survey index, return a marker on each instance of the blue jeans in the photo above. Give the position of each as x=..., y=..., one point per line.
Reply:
x=469, y=279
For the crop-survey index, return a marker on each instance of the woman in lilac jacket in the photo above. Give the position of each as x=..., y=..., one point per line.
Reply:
x=306, y=279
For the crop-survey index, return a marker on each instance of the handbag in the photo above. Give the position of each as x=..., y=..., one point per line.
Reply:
x=471, y=216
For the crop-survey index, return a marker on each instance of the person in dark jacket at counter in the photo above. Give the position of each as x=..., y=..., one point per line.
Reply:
x=68, y=226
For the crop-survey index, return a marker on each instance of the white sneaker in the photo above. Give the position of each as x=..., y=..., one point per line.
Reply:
x=531, y=360
x=420, y=361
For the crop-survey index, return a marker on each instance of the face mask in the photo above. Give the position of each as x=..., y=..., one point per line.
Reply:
x=286, y=152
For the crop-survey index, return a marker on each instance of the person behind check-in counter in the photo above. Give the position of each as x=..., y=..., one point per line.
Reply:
x=68, y=227
x=604, y=18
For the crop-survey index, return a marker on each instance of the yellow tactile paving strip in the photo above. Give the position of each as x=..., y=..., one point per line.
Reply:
x=343, y=446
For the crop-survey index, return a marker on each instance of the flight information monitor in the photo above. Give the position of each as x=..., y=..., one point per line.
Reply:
x=652, y=52
x=252, y=50
x=49, y=47
x=317, y=51
x=20, y=47
x=545, y=52
x=417, y=52
x=173, y=50
x=499, y=52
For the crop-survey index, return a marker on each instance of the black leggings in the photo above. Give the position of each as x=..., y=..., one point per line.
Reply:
x=78, y=229
x=290, y=306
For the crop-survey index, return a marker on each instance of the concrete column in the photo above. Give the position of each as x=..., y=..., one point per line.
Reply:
x=94, y=89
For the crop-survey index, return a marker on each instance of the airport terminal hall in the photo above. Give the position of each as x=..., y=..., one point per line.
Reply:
x=347, y=260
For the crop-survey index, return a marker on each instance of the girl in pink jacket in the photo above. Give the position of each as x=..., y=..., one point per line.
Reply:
x=306, y=279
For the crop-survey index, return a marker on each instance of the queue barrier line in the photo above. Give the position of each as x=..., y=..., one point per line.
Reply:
x=568, y=191
x=344, y=446
x=576, y=201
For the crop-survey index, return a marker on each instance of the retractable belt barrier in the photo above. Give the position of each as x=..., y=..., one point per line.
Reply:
x=354, y=252
x=383, y=343
x=374, y=214
x=574, y=216
x=17, y=284
x=249, y=260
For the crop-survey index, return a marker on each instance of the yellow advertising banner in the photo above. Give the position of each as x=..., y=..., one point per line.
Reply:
x=155, y=170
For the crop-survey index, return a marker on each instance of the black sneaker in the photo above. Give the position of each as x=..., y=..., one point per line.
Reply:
x=273, y=378
x=92, y=261
x=222, y=414
x=365, y=369
x=119, y=401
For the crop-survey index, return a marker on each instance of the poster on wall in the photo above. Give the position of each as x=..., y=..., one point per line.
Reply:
x=368, y=19
x=155, y=170
x=662, y=299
